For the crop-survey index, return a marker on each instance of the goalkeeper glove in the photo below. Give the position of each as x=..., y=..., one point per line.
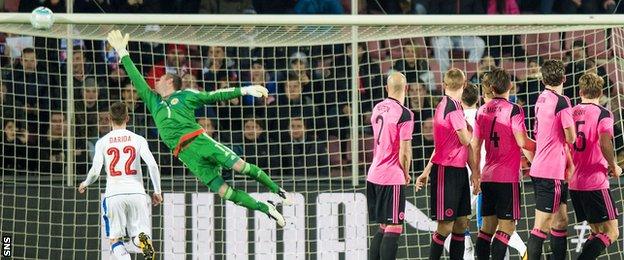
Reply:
x=118, y=42
x=255, y=90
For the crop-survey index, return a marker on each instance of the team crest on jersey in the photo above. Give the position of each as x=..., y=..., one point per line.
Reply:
x=174, y=101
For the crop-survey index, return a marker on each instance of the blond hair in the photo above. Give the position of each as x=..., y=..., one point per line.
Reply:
x=454, y=79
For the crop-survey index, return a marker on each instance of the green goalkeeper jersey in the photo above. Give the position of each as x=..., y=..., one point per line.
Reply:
x=175, y=115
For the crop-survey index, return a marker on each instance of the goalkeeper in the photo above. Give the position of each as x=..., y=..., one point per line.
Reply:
x=173, y=111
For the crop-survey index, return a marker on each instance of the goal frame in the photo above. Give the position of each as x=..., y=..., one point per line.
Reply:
x=354, y=21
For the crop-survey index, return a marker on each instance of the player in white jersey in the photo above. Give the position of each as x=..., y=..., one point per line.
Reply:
x=125, y=206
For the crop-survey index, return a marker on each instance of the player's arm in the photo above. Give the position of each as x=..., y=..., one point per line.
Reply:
x=152, y=166
x=567, y=122
x=423, y=178
x=605, y=131
x=474, y=157
x=406, y=129
x=405, y=158
x=606, y=146
x=462, y=129
x=570, y=168
x=96, y=168
x=119, y=43
x=203, y=97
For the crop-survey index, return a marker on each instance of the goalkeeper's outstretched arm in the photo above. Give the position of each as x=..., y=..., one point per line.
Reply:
x=203, y=97
x=119, y=43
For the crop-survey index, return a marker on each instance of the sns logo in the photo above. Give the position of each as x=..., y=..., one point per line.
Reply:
x=6, y=246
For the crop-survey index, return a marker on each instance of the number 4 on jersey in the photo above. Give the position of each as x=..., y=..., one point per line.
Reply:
x=493, y=135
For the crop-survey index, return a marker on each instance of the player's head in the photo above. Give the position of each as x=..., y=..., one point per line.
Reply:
x=297, y=128
x=118, y=114
x=454, y=79
x=590, y=86
x=553, y=73
x=397, y=85
x=168, y=83
x=499, y=81
x=470, y=96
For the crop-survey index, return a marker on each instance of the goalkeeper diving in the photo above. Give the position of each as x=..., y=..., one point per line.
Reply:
x=173, y=111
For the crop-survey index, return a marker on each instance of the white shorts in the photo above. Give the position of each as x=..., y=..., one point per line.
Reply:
x=129, y=212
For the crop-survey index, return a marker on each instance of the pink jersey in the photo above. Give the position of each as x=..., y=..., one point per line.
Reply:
x=591, y=121
x=497, y=122
x=447, y=120
x=553, y=113
x=392, y=123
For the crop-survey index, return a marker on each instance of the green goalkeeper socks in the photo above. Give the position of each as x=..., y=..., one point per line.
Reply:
x=260, y=176
x=241, y=198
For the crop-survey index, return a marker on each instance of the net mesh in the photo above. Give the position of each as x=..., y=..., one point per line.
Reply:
x=300, y=134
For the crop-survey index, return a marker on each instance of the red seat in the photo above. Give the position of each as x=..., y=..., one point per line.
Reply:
x=615, y=74
x=618, y=36
x=396, y=47
x=375, y=51
x=434, y=67
x=595, y=42
x=468, y=67
x=546, y=45
x=518, y=69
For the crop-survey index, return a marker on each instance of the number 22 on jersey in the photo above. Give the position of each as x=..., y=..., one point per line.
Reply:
x=128, y=165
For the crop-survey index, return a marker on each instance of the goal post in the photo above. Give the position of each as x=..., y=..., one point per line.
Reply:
x=313, y=134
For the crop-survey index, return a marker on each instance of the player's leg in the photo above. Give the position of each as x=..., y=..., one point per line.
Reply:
x=115, y=226
x=209, y=174
x=374, y=203
x=139, y=224
x=259, y=175
x=605, y=232
x=506, y=227
x=489, y=222
x=544, y=199
x=394, y=215
x=459, y=191
x=437, y=202
x=507, y=212
x=559, y=225
x=437, y=240
x=213, y=150
x=242, y=198
x=457, y=247
x=484, y=238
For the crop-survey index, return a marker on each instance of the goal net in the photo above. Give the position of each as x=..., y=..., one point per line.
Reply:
x=312, y=135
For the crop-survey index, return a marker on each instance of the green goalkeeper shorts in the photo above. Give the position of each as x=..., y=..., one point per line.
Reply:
x=205, y=157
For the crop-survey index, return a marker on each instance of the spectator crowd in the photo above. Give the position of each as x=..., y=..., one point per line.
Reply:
x=304, y=127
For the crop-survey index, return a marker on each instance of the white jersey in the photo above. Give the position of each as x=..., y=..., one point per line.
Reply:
x=119, y=151
x=471, y=116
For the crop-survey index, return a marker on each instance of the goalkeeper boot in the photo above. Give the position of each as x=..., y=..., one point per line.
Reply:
x=145, y=243
x=285, y=198
x=275, y=215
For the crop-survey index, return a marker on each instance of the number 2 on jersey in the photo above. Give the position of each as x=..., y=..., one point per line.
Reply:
x=379, y=118
x=128, y=167
x=493, y=135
